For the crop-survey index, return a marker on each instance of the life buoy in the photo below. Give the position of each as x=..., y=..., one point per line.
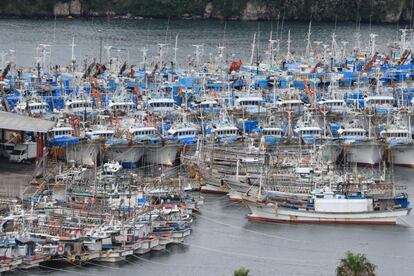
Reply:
x=60, y=249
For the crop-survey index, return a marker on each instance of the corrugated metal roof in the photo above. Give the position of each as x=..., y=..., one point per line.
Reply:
x=24, y=123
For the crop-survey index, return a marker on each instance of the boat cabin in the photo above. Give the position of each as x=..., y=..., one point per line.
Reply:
x=161, y=105
x=249, y=102
x=293, y=105
x=142, y=131
x=272, y=132
x=59, y=132
x=101, y=134
x=335, y=106
x=353, y=134
x=121, y=106
x=185, y=132
x=380, y=103
x=79, y=106
x=226, y=131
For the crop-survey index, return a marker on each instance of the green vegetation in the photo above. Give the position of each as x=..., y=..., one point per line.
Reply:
x=242, y=272
x=355, y=265
x=318, y=10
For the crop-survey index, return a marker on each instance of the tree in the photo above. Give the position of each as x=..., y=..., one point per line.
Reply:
x=355, y=265
x=241, y=272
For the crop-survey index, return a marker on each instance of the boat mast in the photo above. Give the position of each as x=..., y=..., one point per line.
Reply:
x=308, y=40
x=73, y=59
x=288, y=55
x=253, y=47
x=175, y=49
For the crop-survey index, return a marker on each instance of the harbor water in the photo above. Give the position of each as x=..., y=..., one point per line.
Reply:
x=24, y=35
x=223, y=239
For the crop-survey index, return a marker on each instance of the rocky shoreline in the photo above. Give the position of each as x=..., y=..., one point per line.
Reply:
x=378, y=11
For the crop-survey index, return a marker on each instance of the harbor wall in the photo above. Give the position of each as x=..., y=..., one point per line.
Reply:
x=381, y=11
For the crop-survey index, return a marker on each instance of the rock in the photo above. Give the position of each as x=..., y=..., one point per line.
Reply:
x=254, y=11
x=208, y=10
x=75, y=7
x=61, y=9
x=394, y=14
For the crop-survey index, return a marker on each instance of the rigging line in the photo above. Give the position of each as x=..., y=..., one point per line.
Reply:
x=99, y=265
x=251, y=256
x=251, y=231
x=163, y=264
x=25, y=272
x=64, y=270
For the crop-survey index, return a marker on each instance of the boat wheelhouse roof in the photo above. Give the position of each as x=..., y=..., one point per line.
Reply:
x=208, y=102
x=242, y=99
x=346, y=130
x=272, y=128
x=38, y=103
x=174, y=130
x=379, y=97
x=182, y=129
x=101, y=131
x=135, y=129
x=78, y=101
x=283, y=102
x=219, y=128
x=55, y=129
x=395, y=131
x=112, y=103
x=161, y=100
x=331, y=101
x=308, y=128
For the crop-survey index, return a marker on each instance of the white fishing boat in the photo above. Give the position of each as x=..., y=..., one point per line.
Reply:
x=163, y=153
x=291, y=105
x=359, y=148
x=400, y=142
x=332, y=106
x=271, y=135
x=309, y=132
x=161, y=105
x=251, y=104
x=78, y=107
x=380, y=103
x=224, y=132
x=121, y=106
x=32, y=107
x=333, y=208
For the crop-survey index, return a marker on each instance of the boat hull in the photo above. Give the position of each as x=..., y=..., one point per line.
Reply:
x=403, y=155
x=214, y=187
x=84, y=153
x=128, y=156
x=365, y=154
x=271, y=213
x=161, y=154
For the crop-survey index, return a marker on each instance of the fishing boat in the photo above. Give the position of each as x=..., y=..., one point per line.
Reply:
x=400, y=143
x=360, y=148
x=79, y=107
x=328, y=207
x=271, y=135
x=223, y=132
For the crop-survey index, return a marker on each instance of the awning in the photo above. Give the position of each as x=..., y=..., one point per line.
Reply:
x=17, y=122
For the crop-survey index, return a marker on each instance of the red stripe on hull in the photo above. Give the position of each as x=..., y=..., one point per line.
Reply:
x=213, y=192
x=411, y=166
x=235, y=199
x=260, y=219
x=366, y=165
